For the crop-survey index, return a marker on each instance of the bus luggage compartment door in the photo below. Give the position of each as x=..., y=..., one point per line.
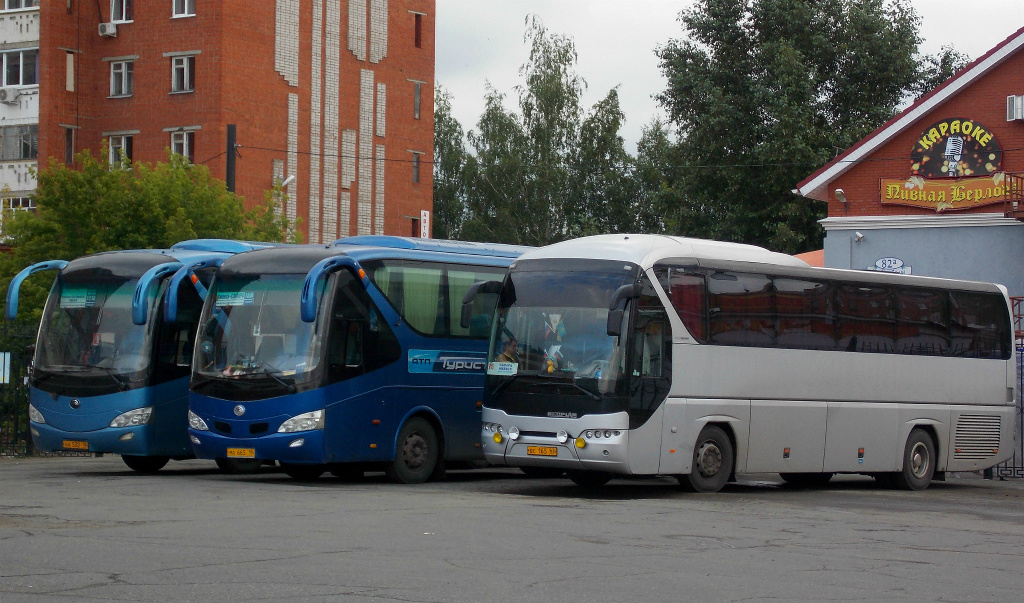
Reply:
x=786, y=437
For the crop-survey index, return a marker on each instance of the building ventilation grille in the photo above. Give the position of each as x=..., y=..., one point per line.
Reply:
x=977, y=437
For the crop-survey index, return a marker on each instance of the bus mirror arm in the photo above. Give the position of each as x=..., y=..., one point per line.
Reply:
x=12, y=289
x=307, y=302
x=471, y=293
x=186, y=271
x=140, y=304
x=617, y=307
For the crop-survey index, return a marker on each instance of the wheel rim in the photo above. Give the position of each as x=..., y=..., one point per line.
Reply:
x=919, y=460
x=709, y=459
x=415, y=452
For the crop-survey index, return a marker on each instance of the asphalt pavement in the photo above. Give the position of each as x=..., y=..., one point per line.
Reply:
x=89, y=529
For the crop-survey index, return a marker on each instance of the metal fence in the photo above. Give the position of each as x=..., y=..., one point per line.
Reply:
x=15, y=358
x=1015, y=466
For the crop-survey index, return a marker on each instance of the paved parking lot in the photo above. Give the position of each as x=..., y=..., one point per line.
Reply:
x=75, y=529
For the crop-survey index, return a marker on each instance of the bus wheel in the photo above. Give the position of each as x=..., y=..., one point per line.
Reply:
x=303, y=473
x=589, y=479
x=239, y=466
x=918, y=462
x=416, y=458
x=807, y=480
x=712, y=461
x=145, y=464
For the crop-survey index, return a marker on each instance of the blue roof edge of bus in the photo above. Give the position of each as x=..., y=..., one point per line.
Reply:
x=221, y=245
x=442, y=245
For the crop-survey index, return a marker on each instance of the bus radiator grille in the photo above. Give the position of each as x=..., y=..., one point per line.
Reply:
x=977, y=437
x=222, y=427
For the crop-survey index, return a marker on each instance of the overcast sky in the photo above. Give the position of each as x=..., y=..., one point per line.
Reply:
x=480, y=41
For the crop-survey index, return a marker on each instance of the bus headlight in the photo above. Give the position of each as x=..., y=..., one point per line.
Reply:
x=139, y=416
x=35, y=416
x=563, y=436
x=197, y=423
x=307, y=421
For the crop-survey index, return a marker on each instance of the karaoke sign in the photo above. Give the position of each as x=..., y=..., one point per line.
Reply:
x=954, y=148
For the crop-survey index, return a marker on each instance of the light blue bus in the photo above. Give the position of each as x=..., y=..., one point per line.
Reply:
x=111, y=366
x=346, y=357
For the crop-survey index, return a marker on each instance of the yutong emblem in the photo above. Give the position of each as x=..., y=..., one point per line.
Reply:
x=239, y=410
x=75, y=402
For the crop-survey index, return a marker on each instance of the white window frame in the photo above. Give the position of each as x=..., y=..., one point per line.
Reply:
x=118, y=142
x=21, y=69
x=187, y=65
x=183, y=8
x=183, y=143
x=22, y=140
x=121, y=11
x=122, y=78
x=19, y=5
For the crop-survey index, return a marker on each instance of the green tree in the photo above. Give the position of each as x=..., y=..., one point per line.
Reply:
x=549, y=170
x=762, y=92
x=101, y=208
x=449, y=169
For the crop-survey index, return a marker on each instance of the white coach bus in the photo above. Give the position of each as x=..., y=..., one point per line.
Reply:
x=655, y=355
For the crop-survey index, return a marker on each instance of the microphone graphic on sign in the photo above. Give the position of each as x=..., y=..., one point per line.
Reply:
x=954, y=148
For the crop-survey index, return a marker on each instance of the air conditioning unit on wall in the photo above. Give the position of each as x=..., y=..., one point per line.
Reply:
x=1014, y=108
x=9, y=96
x=108, y=30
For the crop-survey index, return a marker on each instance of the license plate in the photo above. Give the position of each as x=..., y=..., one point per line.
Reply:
x=541, y=451
x=75, y=445
x=241, y=453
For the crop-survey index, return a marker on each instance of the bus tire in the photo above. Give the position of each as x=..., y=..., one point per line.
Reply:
x=303, y=473
x=589, y=479
x=238, y=466
x=712, y=464
x=807, y=480
x=918, y=462
x=416, y=456
x=145, y=464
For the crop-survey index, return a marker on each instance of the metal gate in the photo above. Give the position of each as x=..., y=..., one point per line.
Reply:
x=15, y=358
x=1015, y=466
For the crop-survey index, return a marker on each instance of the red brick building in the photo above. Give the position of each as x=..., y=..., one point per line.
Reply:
x=333, y=98
x=931, y=191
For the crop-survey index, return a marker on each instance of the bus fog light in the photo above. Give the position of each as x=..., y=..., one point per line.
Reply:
x=607, y=434
x=35, y=416
x=195, y=422
x=590, y=435
x=126, y=436
x=139, y=416
x=35, y=433
x=497, y=437
x=563, y=436
x=297, y=443
x=580, y=442
x=513, y=433
x=195, y=440
x=307, y=421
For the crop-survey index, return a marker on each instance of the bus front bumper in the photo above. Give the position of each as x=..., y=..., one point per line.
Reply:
x=133, y=441
x=305, y=447
x=607, y=454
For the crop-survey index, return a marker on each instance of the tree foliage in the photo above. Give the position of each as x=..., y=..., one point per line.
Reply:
x=99, y=207
x=762, y=92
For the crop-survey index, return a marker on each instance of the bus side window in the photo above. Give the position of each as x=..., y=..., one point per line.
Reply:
x=652, y=356
x=359, y=341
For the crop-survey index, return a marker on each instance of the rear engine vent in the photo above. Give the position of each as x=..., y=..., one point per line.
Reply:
x=977, y=437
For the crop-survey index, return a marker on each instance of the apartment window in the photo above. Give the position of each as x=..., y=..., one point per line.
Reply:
x=9, y=205
x=19, y=143
x=16, y=4
x=183, y=143
x=21, y=67
x=69, y=146
x=416, y=99
x=121, y=11
x=418, y=36
x=415, y=167
x=121, y=78
x=120, y=148
x=183, y=74
x=184, y=8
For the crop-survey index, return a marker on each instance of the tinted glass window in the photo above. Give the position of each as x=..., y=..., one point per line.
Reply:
x=805, y=313
x=741, y=309
x=689, y=298
x=867, y=318
x=979, y=325
x=922, y=327
x=359, y=341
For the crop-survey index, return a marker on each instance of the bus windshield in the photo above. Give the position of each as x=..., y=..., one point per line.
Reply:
x=551, y=339
x=87, y=324
x=252, y=328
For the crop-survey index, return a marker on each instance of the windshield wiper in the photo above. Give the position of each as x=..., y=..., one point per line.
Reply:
x=269, y=373
x=592, y=395
x=502, y=385
x=121, y=385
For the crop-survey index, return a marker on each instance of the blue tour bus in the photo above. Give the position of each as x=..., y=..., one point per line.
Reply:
x=346, y=357
x=111, y=366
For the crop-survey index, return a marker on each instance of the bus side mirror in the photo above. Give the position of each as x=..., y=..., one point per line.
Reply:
x=471, y=293
x=617, y=307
